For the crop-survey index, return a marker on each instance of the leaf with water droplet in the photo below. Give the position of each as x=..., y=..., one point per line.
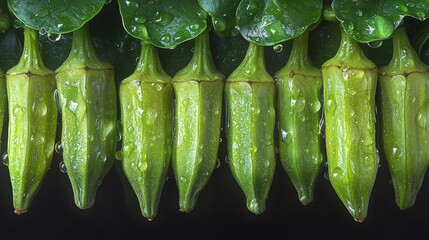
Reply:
x=55, y=16
x=376, y=20
x=222, y=13
x=268, y=22
x=163, y=26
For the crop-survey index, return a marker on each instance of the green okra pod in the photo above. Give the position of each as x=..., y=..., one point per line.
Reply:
x=3, y=102
x=146, y=101
x=299, y=88
x=198, y=93
x=349, y=85
x=87, y=94
x=32, y=122
x=404, y=107
x=250, y=105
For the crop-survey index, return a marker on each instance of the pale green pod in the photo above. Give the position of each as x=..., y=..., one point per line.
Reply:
x=404, y=101
x=250, y=105
x=198, y=94
x=32, y=122
x=87, y=94
x=146, y=101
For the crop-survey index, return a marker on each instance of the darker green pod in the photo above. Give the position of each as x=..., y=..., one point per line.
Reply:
x=87, y=94
x=299, y=88
x=349, y=85
x=198, y=94
x=404, y=101
x=250, y=95
x=3, y=102
x=32, y=122
x=146, y=101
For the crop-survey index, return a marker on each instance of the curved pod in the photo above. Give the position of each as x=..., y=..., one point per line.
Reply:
x=32, y=122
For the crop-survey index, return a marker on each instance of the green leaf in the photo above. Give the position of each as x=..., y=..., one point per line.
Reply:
x=165, y=23
x=222, y=13
x=368, y=21
x=55, y=16
x=268, y=22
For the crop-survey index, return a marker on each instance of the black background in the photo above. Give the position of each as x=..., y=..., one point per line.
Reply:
x=221, y=210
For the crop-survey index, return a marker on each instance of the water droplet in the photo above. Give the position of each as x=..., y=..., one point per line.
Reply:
x=137, y=59
x=332, y=105
x=337, y=173
x=394, y=150
x=150, y=2
x=421, y=118
x=349, y=26
x=410, y=4
x=278, y=48
x=43, y=13
x=118, y=155
x=5, y=159
x=219, y=24
x=107, y=1
x=326, y=175
x=17, y=24
x=359, y=13
x=57, y=100
x=217, y=163
x=42, y=31
x=62, y=167
x=300, y=104
x=140, y=19
x=166, y=38
x=183, y=179
x=163, y=18
x=375, y=44
x=316, y=106
x=194, y=27
x=220, y=140
x=421, y=15
x=252, y=7
x=59, y=148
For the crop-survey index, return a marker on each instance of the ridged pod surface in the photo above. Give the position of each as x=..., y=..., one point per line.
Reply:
x=87, y=94
x=250, y=105
x=146, y=101
x=404, y=101
x=299, y=88
x=3, y=102
x=349, y=85
x=198, y=95
x=32, y=122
